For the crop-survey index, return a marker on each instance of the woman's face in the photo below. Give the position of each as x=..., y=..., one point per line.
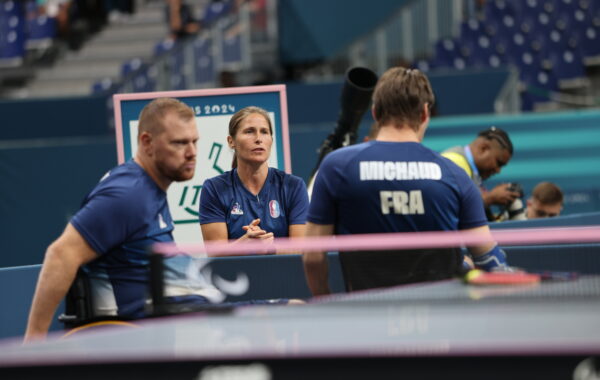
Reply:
x=252, y=141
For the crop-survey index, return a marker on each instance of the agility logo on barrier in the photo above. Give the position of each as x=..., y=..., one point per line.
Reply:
x=213, y=109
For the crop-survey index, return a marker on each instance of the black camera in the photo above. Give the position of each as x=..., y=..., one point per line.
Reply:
x=358, y=87
x=516, y=209
x=516, y=188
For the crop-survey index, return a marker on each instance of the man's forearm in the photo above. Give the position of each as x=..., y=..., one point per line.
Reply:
x=316, y=269
x=55, y=278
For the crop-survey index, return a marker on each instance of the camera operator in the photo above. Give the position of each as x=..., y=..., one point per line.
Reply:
x=482, y=158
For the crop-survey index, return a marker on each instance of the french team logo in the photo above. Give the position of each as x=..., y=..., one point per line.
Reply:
x=237, y=209
x=274, y=209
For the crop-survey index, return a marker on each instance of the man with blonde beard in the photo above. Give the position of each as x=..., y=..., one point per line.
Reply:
x=125, y=213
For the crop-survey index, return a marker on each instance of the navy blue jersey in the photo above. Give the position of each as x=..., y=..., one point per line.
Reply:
x=393, y=187
x=282, y=201
x=124, y=214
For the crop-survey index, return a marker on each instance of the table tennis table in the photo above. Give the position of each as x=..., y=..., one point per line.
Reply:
x=427, y=330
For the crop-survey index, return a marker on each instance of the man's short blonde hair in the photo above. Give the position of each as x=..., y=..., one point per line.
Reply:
x=152, y=116
x=547, y=193
x=400, y=95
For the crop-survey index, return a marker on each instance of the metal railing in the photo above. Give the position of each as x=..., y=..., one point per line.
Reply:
x=234, y=51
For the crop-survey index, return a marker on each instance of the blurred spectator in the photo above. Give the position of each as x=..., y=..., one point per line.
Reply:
x=546, y=201
x=59, y=10
x=94, y=13
x=75, y=19
x=227, y=78
x=181, y=19
x=119, y=10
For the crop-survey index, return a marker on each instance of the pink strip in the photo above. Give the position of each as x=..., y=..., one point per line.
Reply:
x=287, y=155
x=407, y=240
x=119, y=130
x=201, y=92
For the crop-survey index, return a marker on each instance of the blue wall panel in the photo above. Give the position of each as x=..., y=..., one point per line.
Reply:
x=59, y=117
x=41, y=188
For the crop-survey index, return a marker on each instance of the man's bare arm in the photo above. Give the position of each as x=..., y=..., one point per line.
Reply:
x=316, y=267
x=62, y=260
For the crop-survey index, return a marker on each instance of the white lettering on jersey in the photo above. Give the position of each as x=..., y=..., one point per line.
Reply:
x=399, y=170
x=401, y=202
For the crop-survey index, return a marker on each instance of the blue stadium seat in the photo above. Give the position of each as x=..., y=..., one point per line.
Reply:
x=565, y=61
x=11, y=8
x=177, y=79
x=144, y=79
x=573, y=22
x=590, y=43
x=177, y=82
x=502, y=32
x=163, y=47
x=507, y=25
x=529, y=65
x=568, y=64
x=446, y=51
x=143, y=82
x=511, y=48
x=470, y=30
x=203, y=60
x=497, y=9
x=482, y=53
x=12, y=33
x=423, y=65
x=566, y=6
x=130, y=66
x=593, y=7
x=539, y=87
x=215, y=10
x=41, y=30
x=103, y=86
x=231, y=46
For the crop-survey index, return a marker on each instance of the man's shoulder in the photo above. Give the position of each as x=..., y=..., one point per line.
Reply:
x=127, y=180
x=348, y=152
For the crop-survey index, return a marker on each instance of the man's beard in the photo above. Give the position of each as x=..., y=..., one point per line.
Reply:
x=178, y=175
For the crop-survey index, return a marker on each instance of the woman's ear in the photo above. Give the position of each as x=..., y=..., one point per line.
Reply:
x=230, y=142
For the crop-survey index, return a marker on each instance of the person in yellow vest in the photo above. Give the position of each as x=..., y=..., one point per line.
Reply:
x=482, y=158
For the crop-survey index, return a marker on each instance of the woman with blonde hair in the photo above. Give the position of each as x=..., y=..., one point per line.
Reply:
x=253, y=200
